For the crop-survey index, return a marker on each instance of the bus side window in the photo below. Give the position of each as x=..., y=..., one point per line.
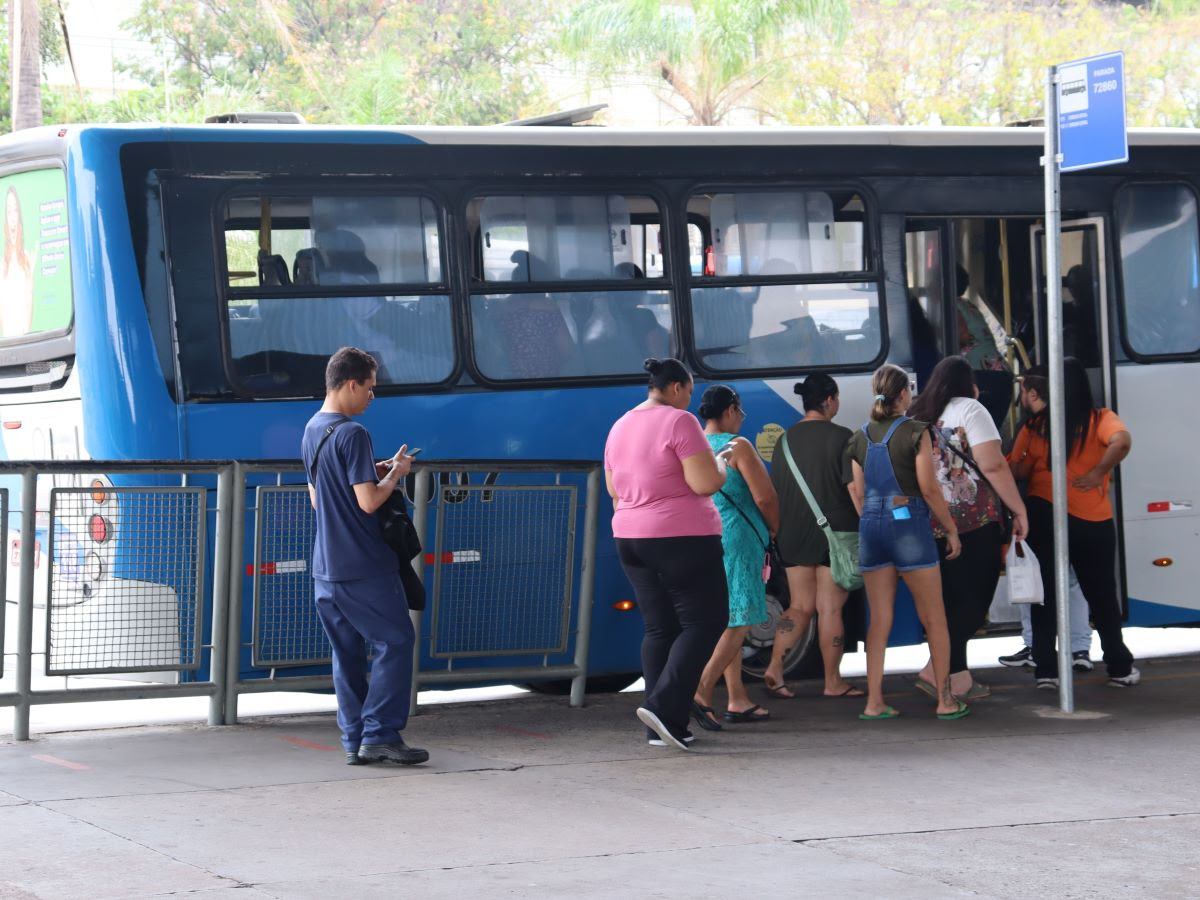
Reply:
x=776, y=306
x=1160, y=269
x=378, y=261
x=527, y=324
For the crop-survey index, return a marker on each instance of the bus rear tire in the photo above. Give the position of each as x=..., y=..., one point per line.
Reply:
x=596, y=684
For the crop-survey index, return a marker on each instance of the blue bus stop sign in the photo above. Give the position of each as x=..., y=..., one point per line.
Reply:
x=1091, y=112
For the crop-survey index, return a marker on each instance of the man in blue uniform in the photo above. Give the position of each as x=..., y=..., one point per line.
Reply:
x=360, y=599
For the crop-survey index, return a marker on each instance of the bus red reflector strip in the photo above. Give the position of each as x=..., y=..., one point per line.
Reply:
x=1169, y=506
x=455, y=556
x=11, y=426
x=287, y=567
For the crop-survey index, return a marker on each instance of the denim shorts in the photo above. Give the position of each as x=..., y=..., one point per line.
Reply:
x=884, y=540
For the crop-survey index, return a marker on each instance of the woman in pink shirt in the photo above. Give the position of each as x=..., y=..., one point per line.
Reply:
x=661, y=474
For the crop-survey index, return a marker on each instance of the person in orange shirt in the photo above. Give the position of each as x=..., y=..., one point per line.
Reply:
x=1097, y=441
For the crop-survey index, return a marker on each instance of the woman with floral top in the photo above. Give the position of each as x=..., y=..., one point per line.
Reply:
x=975, y=480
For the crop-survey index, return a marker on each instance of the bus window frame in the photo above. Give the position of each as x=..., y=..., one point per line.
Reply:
x=274, y=187
x=874, y=274
x=1118, y=264
x=479, y=287
x=42, y=346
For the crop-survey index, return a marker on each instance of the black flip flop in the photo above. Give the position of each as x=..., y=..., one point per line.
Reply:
x=777, y=690
x=746, y=715
x=700, y=713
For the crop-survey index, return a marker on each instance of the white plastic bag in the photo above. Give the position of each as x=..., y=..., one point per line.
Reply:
x=1024, y=575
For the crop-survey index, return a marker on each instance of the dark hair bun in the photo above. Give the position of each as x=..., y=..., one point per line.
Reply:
x=652, y=365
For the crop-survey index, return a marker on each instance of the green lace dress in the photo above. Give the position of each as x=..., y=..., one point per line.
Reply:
x=744, y=545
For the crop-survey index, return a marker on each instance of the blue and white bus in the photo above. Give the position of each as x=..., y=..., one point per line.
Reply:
x=172, y=293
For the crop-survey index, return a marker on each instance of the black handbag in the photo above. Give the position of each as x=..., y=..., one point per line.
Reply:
x=399, y=532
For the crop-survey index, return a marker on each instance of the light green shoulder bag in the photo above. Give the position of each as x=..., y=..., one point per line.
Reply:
x=843, y=545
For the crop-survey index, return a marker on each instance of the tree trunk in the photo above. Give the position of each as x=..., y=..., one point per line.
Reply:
x=25, y=55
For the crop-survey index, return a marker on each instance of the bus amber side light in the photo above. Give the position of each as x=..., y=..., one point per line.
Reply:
x=624, y=605
x=99, y=495
x=1163, y=561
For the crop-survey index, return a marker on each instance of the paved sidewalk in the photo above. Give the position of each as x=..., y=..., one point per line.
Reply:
x=529, y=798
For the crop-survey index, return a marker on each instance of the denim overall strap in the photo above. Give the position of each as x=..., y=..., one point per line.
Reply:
x=879, y=473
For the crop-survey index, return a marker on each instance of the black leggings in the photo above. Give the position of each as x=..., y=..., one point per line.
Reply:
x=1092, y=551
x=682, y=593
x=968, y=586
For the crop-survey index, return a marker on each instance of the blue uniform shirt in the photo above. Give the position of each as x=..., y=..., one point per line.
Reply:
x=349, y=541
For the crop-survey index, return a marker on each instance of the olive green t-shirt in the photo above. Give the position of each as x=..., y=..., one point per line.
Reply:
x=902, y=449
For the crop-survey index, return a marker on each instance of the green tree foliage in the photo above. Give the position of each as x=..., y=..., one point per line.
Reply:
x=353, y=61
x=984, y=62
x=710, y=55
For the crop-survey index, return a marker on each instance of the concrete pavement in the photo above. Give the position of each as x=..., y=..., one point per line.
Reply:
x=530, y=798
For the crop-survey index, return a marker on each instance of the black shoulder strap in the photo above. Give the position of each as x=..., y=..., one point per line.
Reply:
x=329, y=429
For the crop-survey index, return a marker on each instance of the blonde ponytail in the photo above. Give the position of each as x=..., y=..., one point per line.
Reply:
x=888, y=383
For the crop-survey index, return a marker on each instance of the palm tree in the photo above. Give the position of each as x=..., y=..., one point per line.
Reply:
x=26, y=61
x=709, y=54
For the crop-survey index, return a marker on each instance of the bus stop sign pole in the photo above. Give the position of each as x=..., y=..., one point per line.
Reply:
x=1058, y=426
x=1085, y=128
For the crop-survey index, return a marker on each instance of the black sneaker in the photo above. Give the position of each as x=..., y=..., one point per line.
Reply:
x=1081, y=661
x=353, y=759
x=655, y=741
x=396, y=752
x=1023, y=658
x=1047, y=684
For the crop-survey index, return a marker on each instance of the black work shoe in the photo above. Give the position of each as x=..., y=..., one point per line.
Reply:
x=1021, y=659
x=353, y=759
x=396, y=752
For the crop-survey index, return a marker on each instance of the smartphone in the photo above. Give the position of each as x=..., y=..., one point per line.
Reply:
x=415, y=451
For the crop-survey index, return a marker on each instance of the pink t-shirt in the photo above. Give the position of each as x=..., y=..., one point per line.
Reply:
x=643, y=452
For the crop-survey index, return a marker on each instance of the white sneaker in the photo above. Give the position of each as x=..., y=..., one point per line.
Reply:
x=1047, y=684
x=654, y=723
x=1134, y=676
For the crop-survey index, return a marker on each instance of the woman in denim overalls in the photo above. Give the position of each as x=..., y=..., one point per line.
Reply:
x=896, y=536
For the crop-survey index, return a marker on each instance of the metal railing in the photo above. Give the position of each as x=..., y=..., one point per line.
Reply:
x=128, y=569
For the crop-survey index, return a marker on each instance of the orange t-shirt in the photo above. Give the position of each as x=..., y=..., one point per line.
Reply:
x=1090, y=505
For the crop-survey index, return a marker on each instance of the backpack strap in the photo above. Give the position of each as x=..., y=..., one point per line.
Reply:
x=329, y=429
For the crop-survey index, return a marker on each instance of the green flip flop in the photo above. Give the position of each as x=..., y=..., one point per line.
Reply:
x=888, y=713
x=962, y=712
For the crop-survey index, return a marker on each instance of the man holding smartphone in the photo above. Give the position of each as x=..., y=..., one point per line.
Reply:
x=356, y=576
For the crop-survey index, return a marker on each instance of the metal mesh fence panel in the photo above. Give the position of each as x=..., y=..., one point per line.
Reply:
x=503, y=560
x=287, y=631
x=126, y=579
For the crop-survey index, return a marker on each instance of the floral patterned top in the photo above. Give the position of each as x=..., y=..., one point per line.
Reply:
x=964, y=424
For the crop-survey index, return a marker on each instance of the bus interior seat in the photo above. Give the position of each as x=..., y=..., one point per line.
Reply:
x=304, y=267
x=342, y=259
x=272, y=270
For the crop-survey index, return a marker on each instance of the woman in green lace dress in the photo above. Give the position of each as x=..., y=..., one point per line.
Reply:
x=749, y=517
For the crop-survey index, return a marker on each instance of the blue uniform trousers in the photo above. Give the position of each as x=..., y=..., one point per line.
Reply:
x=368, y=611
